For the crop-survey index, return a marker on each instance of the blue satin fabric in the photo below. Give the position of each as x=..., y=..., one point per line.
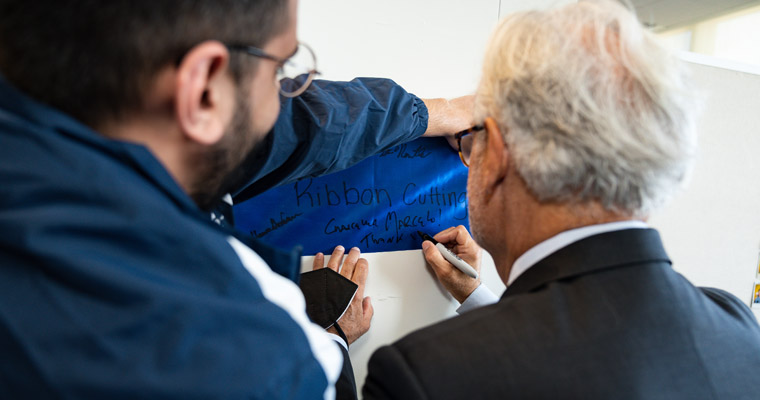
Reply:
x=377, y=205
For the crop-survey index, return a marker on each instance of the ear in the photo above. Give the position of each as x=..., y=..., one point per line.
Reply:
x=495, y=156
x=204, y=93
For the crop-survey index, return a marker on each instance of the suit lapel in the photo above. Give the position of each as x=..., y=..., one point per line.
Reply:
x=602, y=251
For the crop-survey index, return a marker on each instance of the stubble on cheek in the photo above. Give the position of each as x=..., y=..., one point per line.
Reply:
x=264, y=105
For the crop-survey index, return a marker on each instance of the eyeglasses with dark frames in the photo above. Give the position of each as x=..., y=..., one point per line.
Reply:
x=464, y=142
x=294, y=73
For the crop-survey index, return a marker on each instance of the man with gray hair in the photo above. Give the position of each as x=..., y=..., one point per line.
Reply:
x=587, y=126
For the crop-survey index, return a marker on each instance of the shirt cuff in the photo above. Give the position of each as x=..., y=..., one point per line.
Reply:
x=482, y=296
x=339, y=340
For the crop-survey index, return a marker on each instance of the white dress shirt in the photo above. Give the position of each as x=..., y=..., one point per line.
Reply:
x=483, y=296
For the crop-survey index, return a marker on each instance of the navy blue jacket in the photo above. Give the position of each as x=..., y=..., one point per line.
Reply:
x=115, y=285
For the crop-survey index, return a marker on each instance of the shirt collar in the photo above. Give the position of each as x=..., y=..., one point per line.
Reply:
x=563, y=239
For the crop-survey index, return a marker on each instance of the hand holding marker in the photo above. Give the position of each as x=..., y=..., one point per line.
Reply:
x=451, y=257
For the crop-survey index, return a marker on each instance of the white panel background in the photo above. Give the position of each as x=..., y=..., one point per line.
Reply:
x=711, y=229
x=434, y=49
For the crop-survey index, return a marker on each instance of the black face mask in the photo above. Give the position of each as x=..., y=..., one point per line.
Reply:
x=328, y=295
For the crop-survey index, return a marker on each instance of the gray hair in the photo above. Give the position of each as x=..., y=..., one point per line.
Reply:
x=592, y=107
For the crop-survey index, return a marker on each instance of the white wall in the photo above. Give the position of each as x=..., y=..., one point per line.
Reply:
x=434, y=49
x=712, y=229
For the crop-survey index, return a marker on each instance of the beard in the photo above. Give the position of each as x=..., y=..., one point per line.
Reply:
x=217, y=169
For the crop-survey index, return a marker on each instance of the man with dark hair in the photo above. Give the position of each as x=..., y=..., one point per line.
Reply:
x=124, y=125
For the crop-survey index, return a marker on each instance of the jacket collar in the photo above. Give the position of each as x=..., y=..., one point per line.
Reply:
x=23, y=112
x=20, y=111
x=603, y=251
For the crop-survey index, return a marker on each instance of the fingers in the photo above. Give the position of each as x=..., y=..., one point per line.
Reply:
x=360, y=276
x=456, y=235
x=319, y=261
x=455, y=281
x=356, y=321
x=462, y=236
x=336, y=258
x=349, y=264
x=459, y=240
x=446, y=233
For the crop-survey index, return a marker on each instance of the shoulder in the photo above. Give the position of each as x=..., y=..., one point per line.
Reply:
x=104, y=254
x=731, y=305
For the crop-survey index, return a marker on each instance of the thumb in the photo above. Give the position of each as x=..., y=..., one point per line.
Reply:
x=434, y=257
x=367, y=306
x=369, y=311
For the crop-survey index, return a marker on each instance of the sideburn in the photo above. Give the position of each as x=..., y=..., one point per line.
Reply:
x=217, y=168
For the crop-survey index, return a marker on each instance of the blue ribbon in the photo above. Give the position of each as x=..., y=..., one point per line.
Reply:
x=376, y=205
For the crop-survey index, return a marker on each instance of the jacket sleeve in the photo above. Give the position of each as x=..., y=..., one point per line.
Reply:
x=389, y=376
x=330, y=127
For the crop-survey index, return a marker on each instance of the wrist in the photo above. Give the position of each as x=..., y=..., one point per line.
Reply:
x=336, y=330
x=436, y=111
x=462, y=295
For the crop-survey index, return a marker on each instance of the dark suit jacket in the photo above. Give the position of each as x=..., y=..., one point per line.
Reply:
x=345, y=387
x=605, y=317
